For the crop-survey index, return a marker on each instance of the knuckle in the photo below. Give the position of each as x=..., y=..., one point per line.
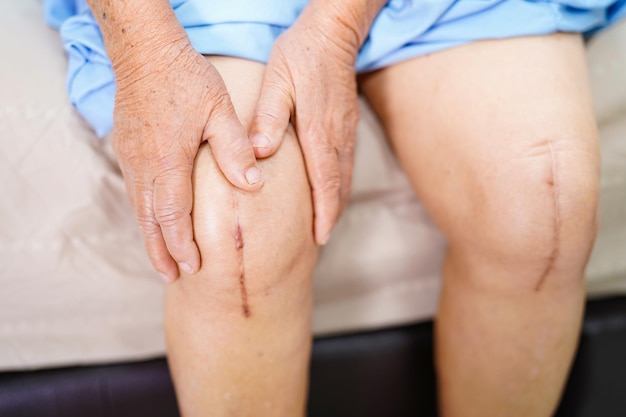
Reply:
x=267, y=116
x=329, y=184
x=325, y=166
x=217, y=89
x=133, y=160
x=238, y=151
x=148, y=225
x=242, y=151
x=166, y=157
x=222, y=106
x=346, y=120
x=170, y=214
x=328, y=157
x=171, y=173
x=177, y=154
x=314, y=131
x=280, y=86
x=346, y=150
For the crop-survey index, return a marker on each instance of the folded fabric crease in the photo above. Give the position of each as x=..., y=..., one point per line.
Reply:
x=402, y=30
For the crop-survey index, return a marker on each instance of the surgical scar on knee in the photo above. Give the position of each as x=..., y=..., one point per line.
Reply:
x=245, y=306
x=553, y=182
x=238, y=237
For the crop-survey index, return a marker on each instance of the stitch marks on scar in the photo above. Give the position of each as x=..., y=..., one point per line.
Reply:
x=245, y=306
x=553, y=181
x=238, y=238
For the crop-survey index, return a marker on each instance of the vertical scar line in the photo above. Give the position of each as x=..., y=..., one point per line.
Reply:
x=556, y=240
x=245, y=306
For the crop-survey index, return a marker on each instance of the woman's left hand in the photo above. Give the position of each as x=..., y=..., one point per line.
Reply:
x=310, y=80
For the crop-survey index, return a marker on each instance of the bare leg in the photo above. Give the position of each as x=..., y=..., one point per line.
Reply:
x=499, y=141
x=239, y=331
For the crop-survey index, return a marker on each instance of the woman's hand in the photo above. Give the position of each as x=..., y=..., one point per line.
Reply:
x=310, y=79
x=165, y=107
x=169, y=100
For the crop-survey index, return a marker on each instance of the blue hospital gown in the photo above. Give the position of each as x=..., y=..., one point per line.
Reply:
x=248, y=29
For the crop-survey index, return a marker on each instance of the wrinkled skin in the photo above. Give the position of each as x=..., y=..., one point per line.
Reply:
x=164, y=110
x=168, y=104
x=310, y=80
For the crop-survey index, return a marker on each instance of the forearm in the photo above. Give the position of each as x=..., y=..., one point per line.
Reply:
x=136, y=31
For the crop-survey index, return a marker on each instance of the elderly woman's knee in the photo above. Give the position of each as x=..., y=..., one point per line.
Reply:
x=536, y=212
x=252, y=243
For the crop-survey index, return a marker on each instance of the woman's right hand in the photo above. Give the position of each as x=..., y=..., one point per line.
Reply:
x=166, y=104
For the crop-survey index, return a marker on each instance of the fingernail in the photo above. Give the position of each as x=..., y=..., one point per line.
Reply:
x=186, y=268
x=165, y=278
x=261, y=141
x=253, y=175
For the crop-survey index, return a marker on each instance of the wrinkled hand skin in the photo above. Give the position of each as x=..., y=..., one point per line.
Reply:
x=310, y=80
x=165, y=108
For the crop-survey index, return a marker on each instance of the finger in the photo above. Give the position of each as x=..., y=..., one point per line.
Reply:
x=346, y=164
x=322, y=163
x=272, y=115
x=231, y=147
x=153, y=238
x=173, y=201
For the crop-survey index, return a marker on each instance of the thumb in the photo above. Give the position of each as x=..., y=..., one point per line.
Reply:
x=272, y=115
x=231, y=147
